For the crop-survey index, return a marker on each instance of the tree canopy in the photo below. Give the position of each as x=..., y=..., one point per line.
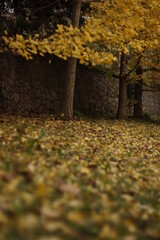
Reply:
x=109, y=27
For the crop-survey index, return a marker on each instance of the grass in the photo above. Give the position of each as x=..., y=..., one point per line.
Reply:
x=83, y=179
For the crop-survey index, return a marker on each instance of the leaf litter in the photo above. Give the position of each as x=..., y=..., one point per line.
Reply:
x=69, y=180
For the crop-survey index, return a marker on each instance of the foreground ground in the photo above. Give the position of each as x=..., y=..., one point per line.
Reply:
x=79, y=180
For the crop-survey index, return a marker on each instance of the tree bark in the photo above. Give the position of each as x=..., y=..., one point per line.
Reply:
x=122, y=100
x=138, y=112
x=68, y=96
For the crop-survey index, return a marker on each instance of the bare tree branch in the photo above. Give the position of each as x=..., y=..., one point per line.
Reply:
x=151, y=69
x=134, y=68
x=88, y=1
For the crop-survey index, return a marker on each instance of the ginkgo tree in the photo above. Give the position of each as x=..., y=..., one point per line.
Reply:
x=123, y=26
x=133, y=28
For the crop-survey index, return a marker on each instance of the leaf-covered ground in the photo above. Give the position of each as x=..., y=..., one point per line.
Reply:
x=74, y=180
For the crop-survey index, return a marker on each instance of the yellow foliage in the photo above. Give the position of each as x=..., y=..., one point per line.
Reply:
x=121, y=24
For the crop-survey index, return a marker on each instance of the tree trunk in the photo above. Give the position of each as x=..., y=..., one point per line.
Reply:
x=138, y=112
x=122, y=101
x=68, y=96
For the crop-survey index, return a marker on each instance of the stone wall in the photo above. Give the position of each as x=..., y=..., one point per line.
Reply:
x=95, y=94
x=28, y=86
x=151, y=102
x=36, y=86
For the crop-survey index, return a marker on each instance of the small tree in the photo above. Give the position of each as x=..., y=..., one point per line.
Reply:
x=138, y=112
